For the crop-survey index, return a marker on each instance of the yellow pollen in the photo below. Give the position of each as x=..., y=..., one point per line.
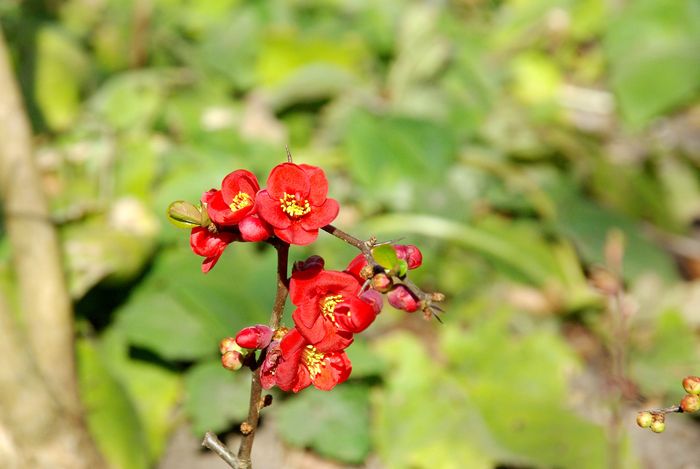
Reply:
x=313, y=360
x=241, y=200
x=293, y=207
x=328, y=305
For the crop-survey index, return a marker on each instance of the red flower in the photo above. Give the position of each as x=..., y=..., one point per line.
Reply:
x=295, y=202
x=329, y=309
x=235, y=200
x=254, y=337
x=301, y=364
x=210, y=245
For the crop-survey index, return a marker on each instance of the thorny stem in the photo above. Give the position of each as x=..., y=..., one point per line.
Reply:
x=249, y=427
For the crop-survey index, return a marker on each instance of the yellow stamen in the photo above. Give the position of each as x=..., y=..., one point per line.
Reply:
x=328, y=305
x=313, y=360
x=241, y=200
x=293, y=207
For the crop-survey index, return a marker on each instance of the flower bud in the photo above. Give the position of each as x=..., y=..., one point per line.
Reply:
x=690, y=403
x=691, y=384
x=228, y=345
x=373, y=298
x=401, y=298
x=644, y=419
x=254, y=337
x=254, y=229
x=381, y=282
x=314, y=263
x=411, y=254
x=658, y=425
x=232, y=360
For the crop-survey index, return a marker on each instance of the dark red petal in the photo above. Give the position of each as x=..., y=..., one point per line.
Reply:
x=221, y=214
x=295, y=234
x=288, y=178
x=321, y=216
x=318, y=189
x=239, y=181
x=270, y=211
x=253, y=229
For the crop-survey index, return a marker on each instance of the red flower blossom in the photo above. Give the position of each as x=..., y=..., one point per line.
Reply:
x=295, y=202
x=210, y=245
x=254, y=337
x=301, y=364
x=235, y=200
x=329, y=309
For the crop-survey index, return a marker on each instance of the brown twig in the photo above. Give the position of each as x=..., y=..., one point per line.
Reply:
x=249, y=427
x=213, y=443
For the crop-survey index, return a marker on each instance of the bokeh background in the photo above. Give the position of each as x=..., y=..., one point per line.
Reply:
x=507, y=138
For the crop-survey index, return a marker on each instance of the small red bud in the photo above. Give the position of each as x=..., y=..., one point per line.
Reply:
x=313, y=263
x=690, y=403
x=658, y=425
x=381, y=282
x=644, y=419
x=374, y=298
x=254, y=337
x=411, y=254
x=691, y=384
x=401, y=298
x=232, y=360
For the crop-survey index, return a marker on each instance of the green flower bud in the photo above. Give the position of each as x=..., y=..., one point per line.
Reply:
x=644, y=419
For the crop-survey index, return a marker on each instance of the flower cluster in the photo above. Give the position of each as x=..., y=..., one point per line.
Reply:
x=292, y=207
x=330, y=306
x=655, y=419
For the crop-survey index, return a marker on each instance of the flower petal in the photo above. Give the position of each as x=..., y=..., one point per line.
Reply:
x=318, y=190
x=295, y=234
x=321, y=216
x=220, y=212
x=270, y=211
x=288, y=178
x=239, y=181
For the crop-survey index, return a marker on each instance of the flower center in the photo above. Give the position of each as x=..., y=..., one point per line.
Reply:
x=293, y=207
x=241, y=200
x=328, y=305
x=313, y=360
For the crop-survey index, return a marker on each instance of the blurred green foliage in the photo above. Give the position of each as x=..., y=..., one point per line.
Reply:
x=506, y=138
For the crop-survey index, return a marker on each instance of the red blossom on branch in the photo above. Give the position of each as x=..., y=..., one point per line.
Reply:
x=301, y=364
x=295, y=202
x=210, y=245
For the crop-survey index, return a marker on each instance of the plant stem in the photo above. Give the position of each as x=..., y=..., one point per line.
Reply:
x=256, y=403
x=213, y=443
x=348, y=238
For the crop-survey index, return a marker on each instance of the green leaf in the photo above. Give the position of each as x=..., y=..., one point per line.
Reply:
x=335, y=424
x=60, y=69
x=130, y=100
x=385, y=255
x=365, y=361
x=158, y=322
x=184, y=214
x=111, y=415
x=215, y=397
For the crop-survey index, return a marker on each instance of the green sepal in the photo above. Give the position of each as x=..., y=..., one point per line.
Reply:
x=184, y=214
x=401, y=267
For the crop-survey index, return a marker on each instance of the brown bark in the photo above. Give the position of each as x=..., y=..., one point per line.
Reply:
x=40, y=413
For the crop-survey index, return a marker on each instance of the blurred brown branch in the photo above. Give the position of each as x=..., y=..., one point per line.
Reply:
x=38, y=390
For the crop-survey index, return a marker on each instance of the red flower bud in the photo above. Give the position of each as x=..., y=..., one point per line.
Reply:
x=410, y=253
x=381, y=282
x=254, y=229
x=313, y=265
x=401, y=298
x=690, y=403
x=691, y=384
x=254, y=337
x=374, y=299
x=232, y=360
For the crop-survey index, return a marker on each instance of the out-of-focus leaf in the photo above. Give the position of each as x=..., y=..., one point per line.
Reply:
x=130, y=100
x=666, y=356
x=365, y=362
x=154, y=390
x=215, y=397
x=334, y=424
x=113, y=420
x=652, y=48
x=60, y=69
